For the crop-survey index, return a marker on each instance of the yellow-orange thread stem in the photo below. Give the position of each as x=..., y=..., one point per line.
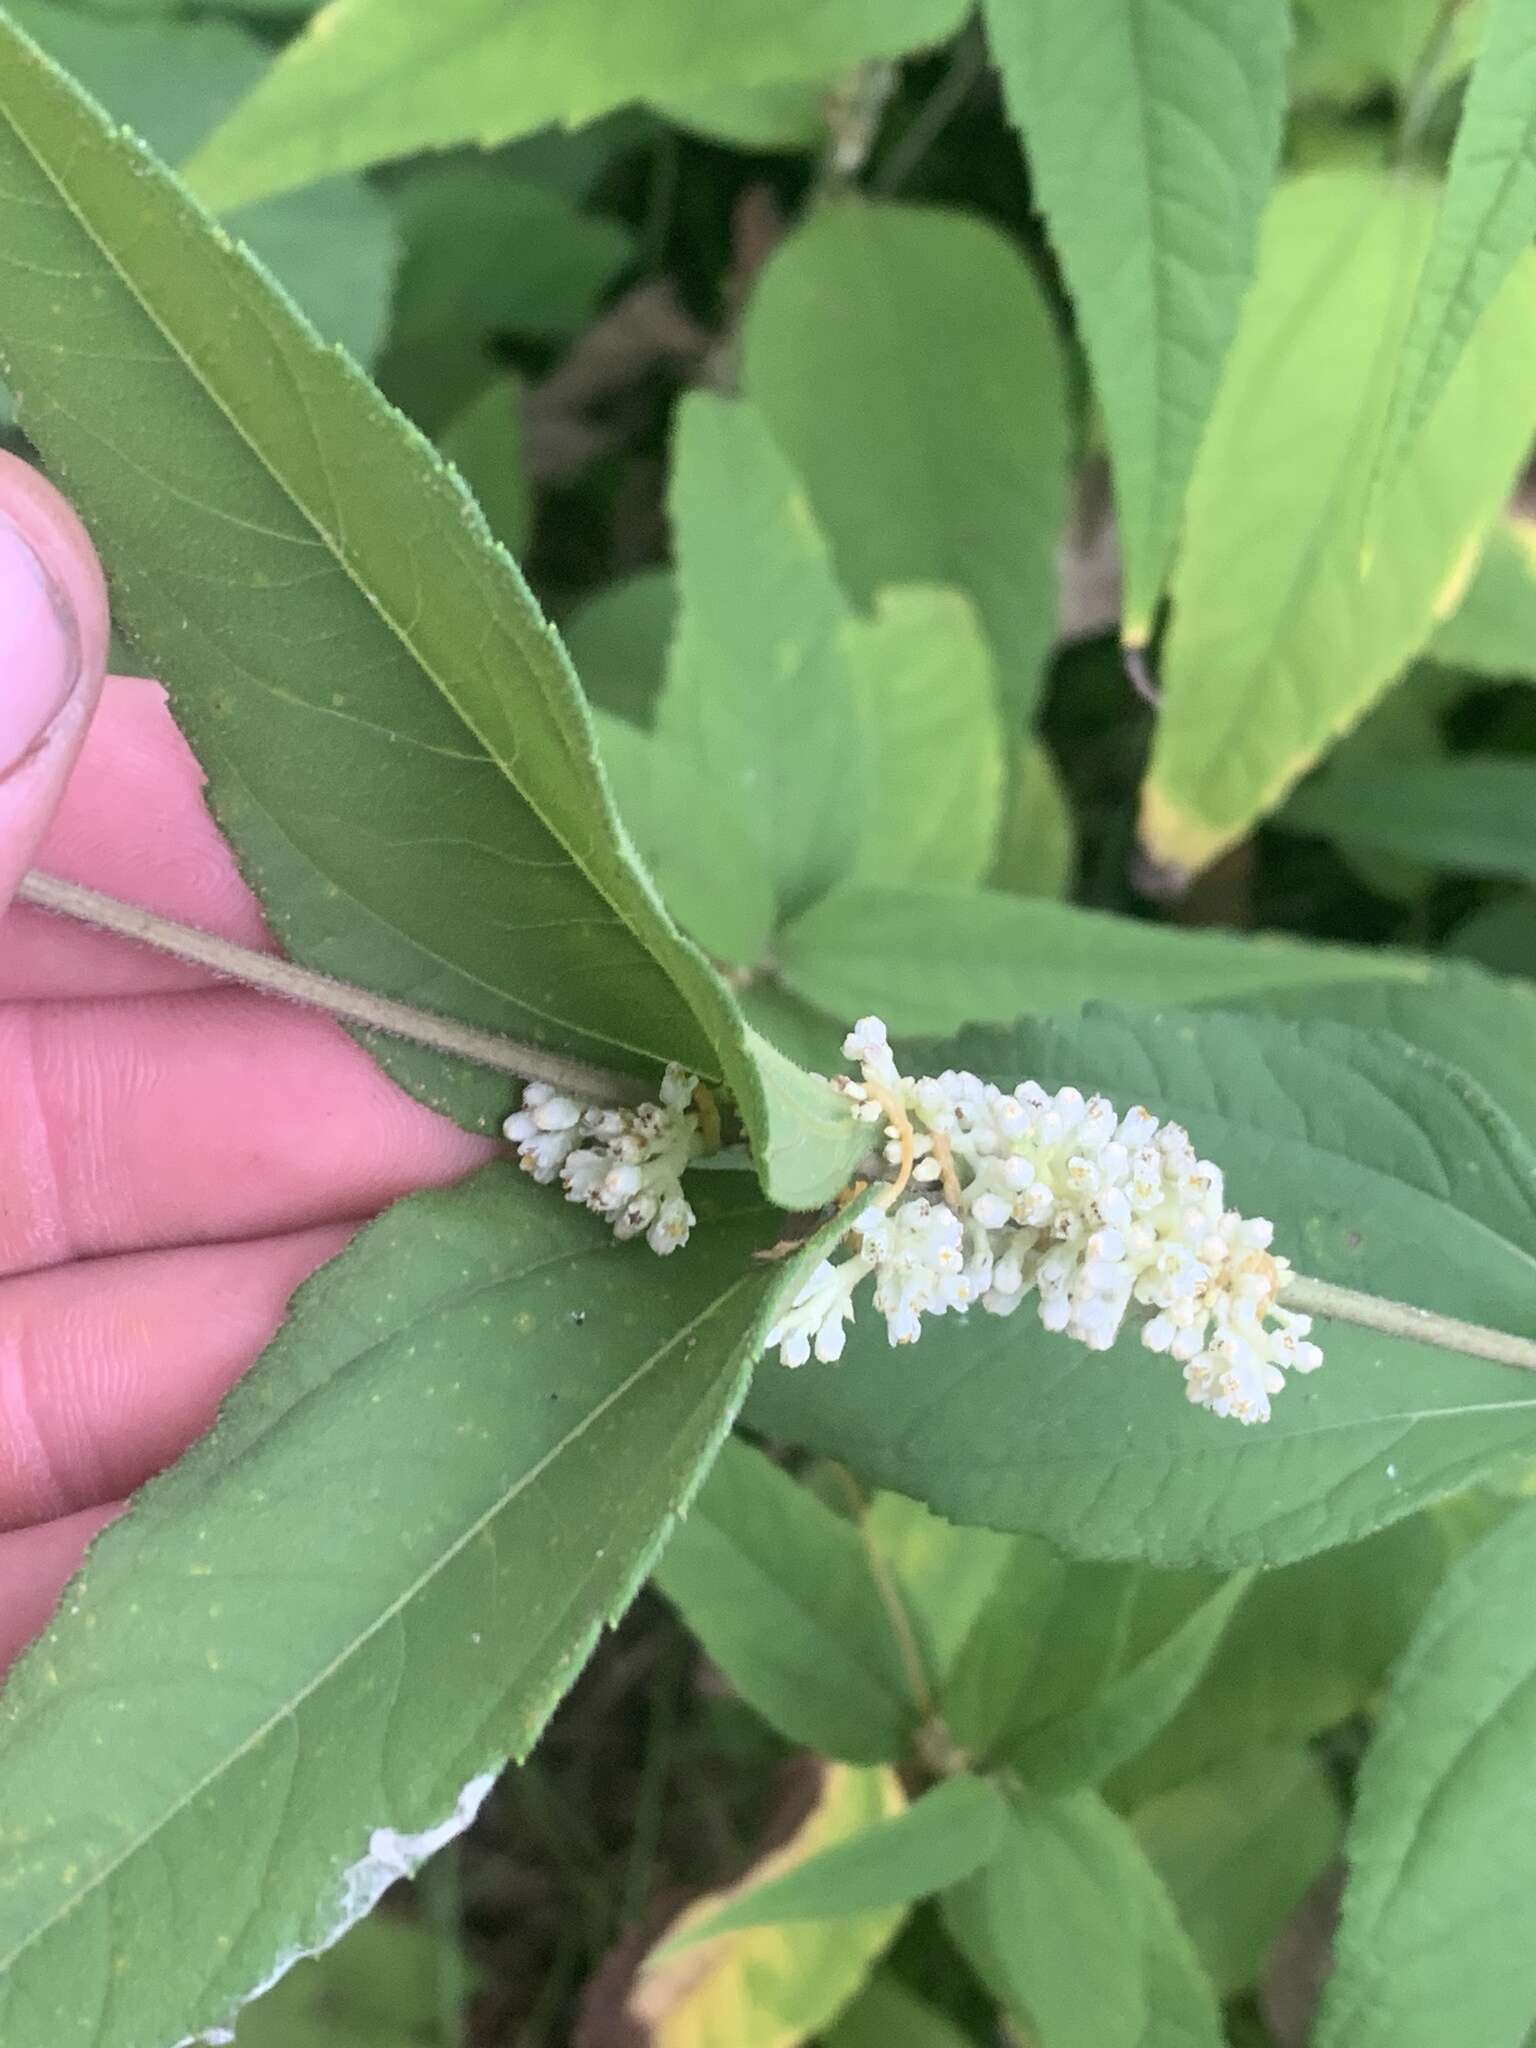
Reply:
x=901, y=1124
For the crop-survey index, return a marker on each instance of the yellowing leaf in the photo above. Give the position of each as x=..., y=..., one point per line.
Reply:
x=770, y=1987
x=1297, y=599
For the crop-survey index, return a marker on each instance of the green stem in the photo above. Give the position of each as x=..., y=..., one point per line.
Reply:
x=1401, y=1319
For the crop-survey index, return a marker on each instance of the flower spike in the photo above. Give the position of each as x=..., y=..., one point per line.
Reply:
x=1104, y=1218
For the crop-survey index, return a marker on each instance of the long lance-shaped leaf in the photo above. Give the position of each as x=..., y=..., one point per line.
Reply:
x=1295, y=606
x=290, y=1672
x=395, y=741
x=1153, y=131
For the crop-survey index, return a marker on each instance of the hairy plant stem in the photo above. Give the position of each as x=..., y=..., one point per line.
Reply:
x=357, y=1006
x=362, y=1007
x=1401, y=1319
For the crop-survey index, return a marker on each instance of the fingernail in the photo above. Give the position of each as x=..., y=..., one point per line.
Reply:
x=39, y=648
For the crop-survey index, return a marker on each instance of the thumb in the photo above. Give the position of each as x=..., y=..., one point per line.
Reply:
x=53, y=650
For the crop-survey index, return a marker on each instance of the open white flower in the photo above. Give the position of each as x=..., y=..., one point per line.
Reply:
x=1102, y=1217
x=623, y=1164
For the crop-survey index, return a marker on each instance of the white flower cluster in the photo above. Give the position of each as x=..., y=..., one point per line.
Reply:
x=1098, y=1215
x=624, y=1164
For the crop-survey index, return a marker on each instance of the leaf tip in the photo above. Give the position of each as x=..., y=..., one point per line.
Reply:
x=1175, y=844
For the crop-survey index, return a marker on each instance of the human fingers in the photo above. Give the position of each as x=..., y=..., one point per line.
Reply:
x=35, y=1566
x=53, y=650
x=109, y=1369
x=133, y=824
x=159, y=1121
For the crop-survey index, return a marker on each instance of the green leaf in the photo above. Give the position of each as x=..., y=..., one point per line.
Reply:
x=1409, y=721
x=1466, y=813
x=693, y=838
x=910, y=368
x=376, y=79
x=943, y=1575
x=926, y=698
x=1083, y=1746
x=789, y=116
x=1293, y=609
x=1493, y=629
x=1071, y=1929
x=1385, y=42
x=1363, y=1151
x=1502, y=935
x=886, y=2012
x=1153, y=131
x=333, y=247
x=1433, y=1945
x=780, y=1592
x=757, y=691
x=897, y=713
x=1009, y=1650
x=488, y=253
x=1237, y=1850
x=618, y=640
x=941, y=1839
x=1481, y=1023
x=376, y=1989
x=1310, y=1646
x=930, y=959
x=1037, y=841
x=1070, y=1669
x=484, y=441
x=361, y=687
x=293, y=1668
x=1483, y=229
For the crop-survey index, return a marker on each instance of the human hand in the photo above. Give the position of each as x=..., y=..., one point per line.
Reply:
x=175, y=1156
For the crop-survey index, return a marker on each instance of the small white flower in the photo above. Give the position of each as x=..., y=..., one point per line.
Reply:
x=624, y=1164
x=815, y=1318
x=544, y=1129
x=868, y=1044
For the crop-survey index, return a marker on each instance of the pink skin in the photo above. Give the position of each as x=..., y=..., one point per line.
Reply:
x=175, y=1156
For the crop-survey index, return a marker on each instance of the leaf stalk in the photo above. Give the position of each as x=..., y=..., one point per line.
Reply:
x=356, y=1006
